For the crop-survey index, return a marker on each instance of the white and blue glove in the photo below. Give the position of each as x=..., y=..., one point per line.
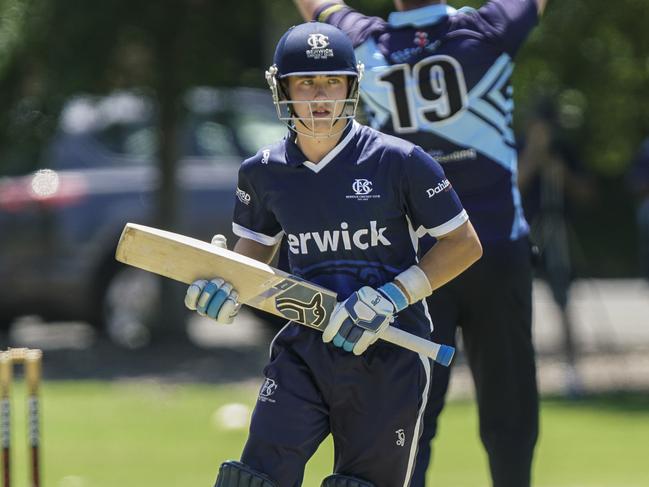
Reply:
x=216, y=299
x=359, y=321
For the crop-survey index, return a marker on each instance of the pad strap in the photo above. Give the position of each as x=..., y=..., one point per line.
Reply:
x=237, y=474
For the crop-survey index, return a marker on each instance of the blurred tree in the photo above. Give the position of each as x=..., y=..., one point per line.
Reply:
x=591, y=55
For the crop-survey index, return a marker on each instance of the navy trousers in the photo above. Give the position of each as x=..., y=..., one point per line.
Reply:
x=371, y=404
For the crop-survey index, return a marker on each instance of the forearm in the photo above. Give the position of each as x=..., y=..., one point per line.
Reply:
x=541, y=6
x=529, y=165
x=255, y=250
x=308, y=7
x=451, y=255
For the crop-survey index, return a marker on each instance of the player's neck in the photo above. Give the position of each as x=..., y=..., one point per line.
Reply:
x=316, y=148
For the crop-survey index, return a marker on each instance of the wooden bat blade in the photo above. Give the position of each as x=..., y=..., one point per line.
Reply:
x=187, y=259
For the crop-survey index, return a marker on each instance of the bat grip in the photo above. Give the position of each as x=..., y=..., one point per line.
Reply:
x=442, y=354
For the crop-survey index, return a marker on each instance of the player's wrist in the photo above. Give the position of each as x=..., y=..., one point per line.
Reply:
x=415, y=284
x=395, y=295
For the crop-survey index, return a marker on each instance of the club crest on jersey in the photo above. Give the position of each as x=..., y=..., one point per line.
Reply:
x=422, y=45
x=362, y=189
x=362, y=186
x=443, y=185
x=243, y=196
x=319, y=44
x=421, y=39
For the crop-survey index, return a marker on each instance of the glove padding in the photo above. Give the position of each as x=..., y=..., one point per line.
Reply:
x=359, y=321
x=220, y=241
x=215, y=299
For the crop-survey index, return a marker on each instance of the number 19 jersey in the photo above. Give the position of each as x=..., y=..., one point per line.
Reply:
x=440, y=78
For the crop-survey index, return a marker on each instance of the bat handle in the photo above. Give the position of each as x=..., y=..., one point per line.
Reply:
x=442, y=354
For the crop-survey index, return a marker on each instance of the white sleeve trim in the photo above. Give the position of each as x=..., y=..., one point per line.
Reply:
x=444, y=228
x=244, y=232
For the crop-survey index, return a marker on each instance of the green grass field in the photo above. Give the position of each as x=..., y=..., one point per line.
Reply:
x=108, y=434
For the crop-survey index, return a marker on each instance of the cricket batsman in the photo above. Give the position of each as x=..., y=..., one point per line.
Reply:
x=352, y=203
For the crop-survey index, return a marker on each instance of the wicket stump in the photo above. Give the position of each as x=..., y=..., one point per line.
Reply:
x=31, y=361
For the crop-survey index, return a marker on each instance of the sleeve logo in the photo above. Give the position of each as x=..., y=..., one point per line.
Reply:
x=243, y=196
x=445, y=184
x=268, y=388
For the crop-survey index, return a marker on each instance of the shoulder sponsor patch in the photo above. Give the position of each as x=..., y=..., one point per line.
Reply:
x=443, y=185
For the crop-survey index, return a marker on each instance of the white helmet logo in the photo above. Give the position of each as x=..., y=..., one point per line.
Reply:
x=318, y=41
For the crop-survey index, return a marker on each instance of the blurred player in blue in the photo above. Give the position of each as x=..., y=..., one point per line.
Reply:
x=440, y=78
x=351, y=202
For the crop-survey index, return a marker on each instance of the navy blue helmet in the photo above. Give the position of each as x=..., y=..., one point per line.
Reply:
x=314, y=48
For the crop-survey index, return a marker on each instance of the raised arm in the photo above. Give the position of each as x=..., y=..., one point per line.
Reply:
x=308, y=7
x=541, y=6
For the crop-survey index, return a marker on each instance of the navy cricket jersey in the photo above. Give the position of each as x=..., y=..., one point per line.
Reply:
x=440, y=78
x=354, y=218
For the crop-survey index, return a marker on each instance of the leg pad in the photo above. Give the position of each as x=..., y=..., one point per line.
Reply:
x=237, y=474
x=337, y=480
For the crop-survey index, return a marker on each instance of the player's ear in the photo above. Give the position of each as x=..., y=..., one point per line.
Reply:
x=283, y=89
x=285, y=94
x=351, y=84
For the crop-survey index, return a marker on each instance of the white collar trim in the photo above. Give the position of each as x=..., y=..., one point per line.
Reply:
x=316, y=168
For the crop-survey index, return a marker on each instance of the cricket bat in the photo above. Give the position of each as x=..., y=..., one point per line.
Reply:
x=261, y=286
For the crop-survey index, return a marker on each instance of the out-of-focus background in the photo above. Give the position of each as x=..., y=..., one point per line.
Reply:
x=142, y=111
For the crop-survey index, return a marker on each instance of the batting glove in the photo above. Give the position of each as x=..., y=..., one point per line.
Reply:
x=359, y=321
x=215, y=299
x=220, y=241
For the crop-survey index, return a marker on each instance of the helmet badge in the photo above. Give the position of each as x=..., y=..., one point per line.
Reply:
x=319, y=47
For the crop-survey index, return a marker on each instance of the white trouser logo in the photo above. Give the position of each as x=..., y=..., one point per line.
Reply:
x=401, y=437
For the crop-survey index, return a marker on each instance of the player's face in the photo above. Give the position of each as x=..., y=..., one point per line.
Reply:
x=317, y=100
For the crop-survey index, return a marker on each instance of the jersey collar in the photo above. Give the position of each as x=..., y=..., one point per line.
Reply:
x=421, y=17
x=295, y=157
